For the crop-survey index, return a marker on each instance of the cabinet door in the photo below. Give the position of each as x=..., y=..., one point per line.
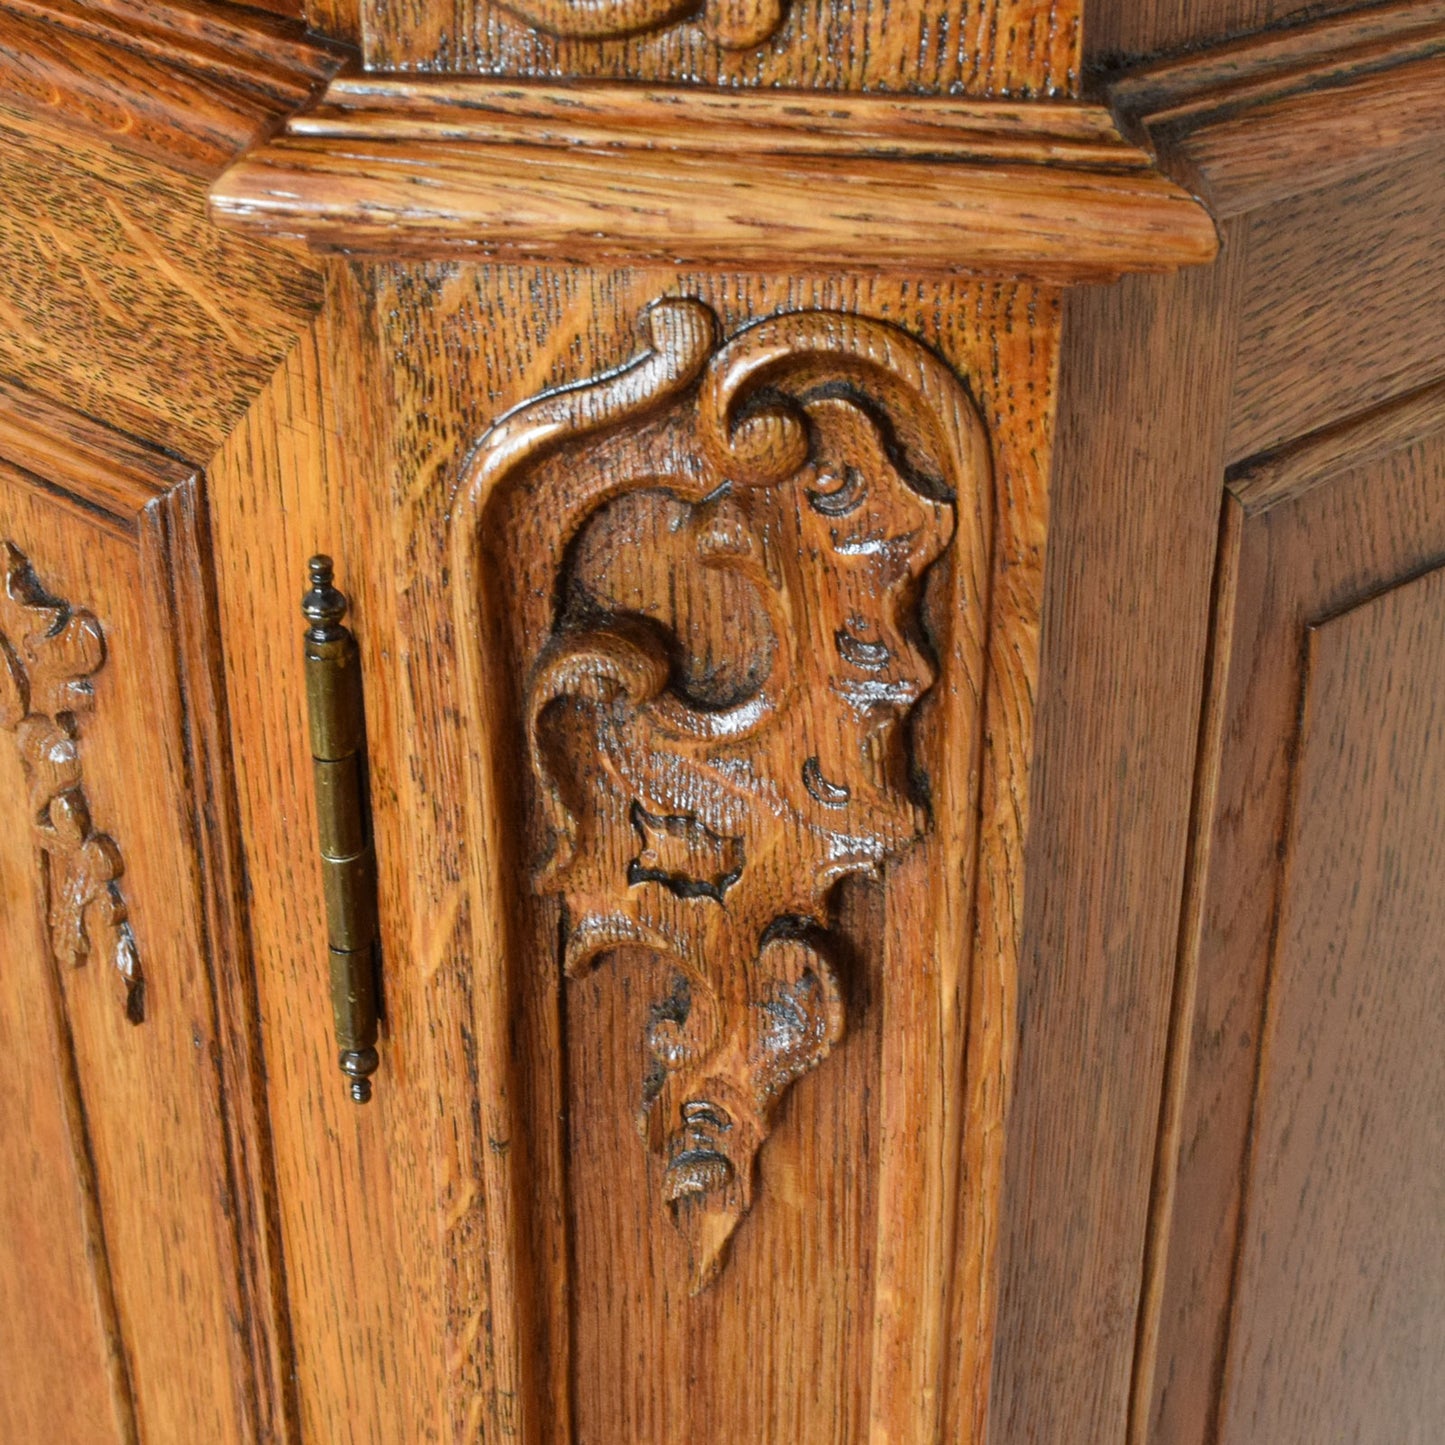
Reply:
x=1310, y=1210
x=126, y=1310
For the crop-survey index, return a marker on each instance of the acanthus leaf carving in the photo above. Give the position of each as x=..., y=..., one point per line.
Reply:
x=49, y=651
x=693, y=806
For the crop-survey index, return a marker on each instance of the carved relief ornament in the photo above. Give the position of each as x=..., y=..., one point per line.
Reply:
x=49, y=651
x=733, y=24
x=715, y=616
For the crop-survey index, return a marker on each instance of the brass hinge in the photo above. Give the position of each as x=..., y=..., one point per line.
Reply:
x=348, y=864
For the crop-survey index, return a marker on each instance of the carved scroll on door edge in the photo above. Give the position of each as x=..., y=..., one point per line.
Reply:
x=49, y=651
x=734, y=24
x=829, y=461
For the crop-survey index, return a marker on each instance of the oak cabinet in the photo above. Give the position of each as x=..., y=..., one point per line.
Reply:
x=886, y=722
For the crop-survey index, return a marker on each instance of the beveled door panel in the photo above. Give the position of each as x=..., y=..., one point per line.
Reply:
x=123, y=958
x=1304, y=1292
x=1340, y=1295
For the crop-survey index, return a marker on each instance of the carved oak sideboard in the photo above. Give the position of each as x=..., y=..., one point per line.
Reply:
x=725, y=722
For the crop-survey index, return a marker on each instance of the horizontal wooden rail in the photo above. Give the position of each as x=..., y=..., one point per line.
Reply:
x=602, y=172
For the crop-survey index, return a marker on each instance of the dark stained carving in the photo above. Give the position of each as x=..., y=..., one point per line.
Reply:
x=684, y=855
x=734, y=24
x=49, y=651
x=696, y=804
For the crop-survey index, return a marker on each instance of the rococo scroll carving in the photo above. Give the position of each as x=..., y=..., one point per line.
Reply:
x=734, y=24
x=716, y=612
x=49, y=651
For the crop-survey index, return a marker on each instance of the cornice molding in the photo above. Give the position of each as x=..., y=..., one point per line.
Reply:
x=189, y=84
x=1254, y=122
x=603, y=172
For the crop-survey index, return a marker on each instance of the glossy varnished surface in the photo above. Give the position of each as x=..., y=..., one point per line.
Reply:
x=603, y=173
x=1014, y=47
x=971, y=1204
x=695, y=1351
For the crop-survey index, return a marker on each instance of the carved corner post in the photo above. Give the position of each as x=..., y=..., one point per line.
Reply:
x=817, y=465
x=710, y=626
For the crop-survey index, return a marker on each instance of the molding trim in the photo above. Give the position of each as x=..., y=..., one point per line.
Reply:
x=1245, y=125
x=191, y=84
x=509, y=170
x=1288, y=472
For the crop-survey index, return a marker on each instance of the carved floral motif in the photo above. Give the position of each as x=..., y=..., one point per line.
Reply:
x=703, y=808
x=48, y=653
x=734, y=24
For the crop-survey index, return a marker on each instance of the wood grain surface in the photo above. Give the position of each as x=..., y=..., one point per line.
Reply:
x=363, y=1303
x=1325, y=137
x=1312, y=531
x=1135, y=506
x=68, y=1375
x=163, y=1116
x=339, y=19
x=1000, y=47
x=1115, y=30
x=117, y=295
x=191, y=85
x=1340, y=1286
x=363, y=432
x=608, y=116
x=966, y=1223
x=905, y=1336
x=1256, y=122
x=1345, y=303
x=497, y=170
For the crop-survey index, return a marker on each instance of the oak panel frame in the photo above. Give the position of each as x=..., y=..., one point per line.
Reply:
x=177, y=1090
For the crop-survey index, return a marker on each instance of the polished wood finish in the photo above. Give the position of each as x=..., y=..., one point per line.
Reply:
x=1251, y=124
x=608, y=116
x=872, y=1357
x=705, y=809
x=188, y=84
x=349, y=1181
x=51, y=652
x=996, y=48
x=802, y=703
x=1133, y=29
x=500, y=171
x=557, y=1258
x=117, y=296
